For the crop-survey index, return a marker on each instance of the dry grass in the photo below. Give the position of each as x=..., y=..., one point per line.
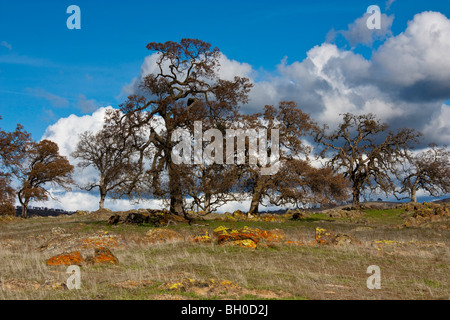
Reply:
x=409, y=270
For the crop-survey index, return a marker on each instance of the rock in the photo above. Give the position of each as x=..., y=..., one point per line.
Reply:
x=102, y=256
x=54, y=285
x=23, y=284
x=326, y=237
x=345, y=213
x=114, y=219
x=137, y=218
x=156, y=217
x=72, y=258
x=344, y=239
x=322, y=236
x=248, y=237
x=205, y=238
x=297, y=214
x=202, y=287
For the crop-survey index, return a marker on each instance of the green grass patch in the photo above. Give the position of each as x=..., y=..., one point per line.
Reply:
x=386, y=216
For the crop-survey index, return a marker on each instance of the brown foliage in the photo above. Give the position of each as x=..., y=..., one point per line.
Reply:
x=116, y=152
x=185, y=88
x=42, y=165
x=12, y=146
x=365, y=153
x=429, y=171
x=297, y=182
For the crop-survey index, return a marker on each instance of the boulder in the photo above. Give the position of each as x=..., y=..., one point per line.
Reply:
x=72, y=258
x=326, y=237
x=102, y=256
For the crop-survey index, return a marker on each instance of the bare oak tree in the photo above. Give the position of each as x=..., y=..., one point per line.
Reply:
x=116, y=152
x=297, y=181
x=429, y=171
x=366, y=153
x=186, y=78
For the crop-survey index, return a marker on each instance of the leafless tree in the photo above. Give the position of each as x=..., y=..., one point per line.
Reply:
x=185, y=70
x=116, y=152
x=366, y=152
x=429, y=171
x=297, y=181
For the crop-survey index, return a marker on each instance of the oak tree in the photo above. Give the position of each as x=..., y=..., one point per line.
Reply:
x=116, y=152
x=366, y=153
x=186, y=78
x=42, y=165
x=297, y=181
x=12, y=153
x=429, y=171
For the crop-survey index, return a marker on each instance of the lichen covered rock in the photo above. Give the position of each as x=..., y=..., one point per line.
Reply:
x=72, y=258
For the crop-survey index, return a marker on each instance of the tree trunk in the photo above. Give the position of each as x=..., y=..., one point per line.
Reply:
x=207, y=202
x=176, y=196
x=356, y=194
x=256, y=198
x=413, y=194
x=101, y=203
x=24, y=203
x=25, y=208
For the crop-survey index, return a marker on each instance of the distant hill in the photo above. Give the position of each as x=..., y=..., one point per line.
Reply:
x=442, y=200
x=42, y=212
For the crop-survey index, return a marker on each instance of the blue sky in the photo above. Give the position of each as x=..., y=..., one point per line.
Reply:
x=57, y=82
x=48, y=71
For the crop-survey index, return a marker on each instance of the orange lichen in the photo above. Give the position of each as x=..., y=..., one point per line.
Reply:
x=104, y=256
x=248, y=237
x=203, y=238
x=98, y=242
x=73, y=258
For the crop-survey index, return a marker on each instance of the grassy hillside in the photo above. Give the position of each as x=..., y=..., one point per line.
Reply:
x=183, y=261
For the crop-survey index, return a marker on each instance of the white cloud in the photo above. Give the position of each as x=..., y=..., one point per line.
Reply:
x=79, y=200
x=66, y=130
x=438, y=128
x=85, y=105
x=65, y=133
x=6, y=45
x=55, y=101
x=358, y=33
x=404, y=83
x=389, y=3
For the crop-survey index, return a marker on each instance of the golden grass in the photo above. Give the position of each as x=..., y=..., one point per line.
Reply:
x=409, y=270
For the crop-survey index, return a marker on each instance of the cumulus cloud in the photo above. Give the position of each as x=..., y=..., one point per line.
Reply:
x=405, y=82
x=358, y=33
x=80, y=200
x=414, y=63
x=65, y=131
x=85, y=105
